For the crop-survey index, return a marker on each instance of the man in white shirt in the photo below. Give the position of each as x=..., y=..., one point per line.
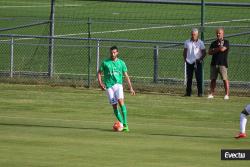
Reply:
x=194, y=53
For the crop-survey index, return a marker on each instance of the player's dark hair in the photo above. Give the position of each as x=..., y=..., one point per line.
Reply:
x=113, y=48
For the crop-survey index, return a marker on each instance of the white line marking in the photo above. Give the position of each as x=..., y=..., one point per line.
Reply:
x=150, y=28
x=40, y=6
x=18, y=2
x=31, y=6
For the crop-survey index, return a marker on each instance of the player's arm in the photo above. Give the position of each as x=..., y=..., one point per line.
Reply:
x=129, y=83
x=99, y=77
x=225, y=47
x=213, y=50
x=216, y=50
x=203, y=54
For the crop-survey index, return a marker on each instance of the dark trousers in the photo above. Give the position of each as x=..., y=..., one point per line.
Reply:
x=191, y=69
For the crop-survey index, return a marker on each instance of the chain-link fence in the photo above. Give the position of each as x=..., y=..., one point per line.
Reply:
x=150, y=37
x=153, y=66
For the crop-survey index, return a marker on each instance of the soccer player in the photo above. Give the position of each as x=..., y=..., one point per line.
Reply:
x=243, y=122
x=114, y=69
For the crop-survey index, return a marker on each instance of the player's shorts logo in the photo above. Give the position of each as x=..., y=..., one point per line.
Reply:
x=113, y=100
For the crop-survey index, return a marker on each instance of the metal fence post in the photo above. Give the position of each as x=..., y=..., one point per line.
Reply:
x=97, y=56
x=202, y=38
x=11, y=56
x=89, y=51
x=51, y=40
x=156, y=65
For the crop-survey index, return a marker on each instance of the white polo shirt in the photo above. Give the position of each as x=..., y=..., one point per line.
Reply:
x=193, y=50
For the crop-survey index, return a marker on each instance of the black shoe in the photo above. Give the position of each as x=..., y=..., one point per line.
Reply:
x=187, y=95
x=200, y=95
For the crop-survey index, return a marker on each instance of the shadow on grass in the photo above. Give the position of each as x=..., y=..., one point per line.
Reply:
x=56, y=126
x=193, y=136
x=110, y=130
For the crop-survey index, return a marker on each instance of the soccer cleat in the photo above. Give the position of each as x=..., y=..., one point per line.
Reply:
x=226, y=97
x=210, y=96
x=241, y=135
x=125, y=128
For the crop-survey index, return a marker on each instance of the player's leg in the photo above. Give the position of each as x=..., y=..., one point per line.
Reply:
x=120, y=96
x=113, y=101
x=226, y=86
x=212, y=88
x=198, y=76
x=223, y=72
x=213, y=77
x=124, y=114
x=190, y=71
x=243, y=123
x=117, y=113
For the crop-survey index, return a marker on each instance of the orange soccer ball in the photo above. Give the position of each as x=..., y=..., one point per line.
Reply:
x=118, y=126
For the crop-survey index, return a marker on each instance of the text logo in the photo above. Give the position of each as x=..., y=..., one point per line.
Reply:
x=235, y=154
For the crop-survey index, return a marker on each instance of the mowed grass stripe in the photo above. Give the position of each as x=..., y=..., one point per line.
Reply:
x=64, y=127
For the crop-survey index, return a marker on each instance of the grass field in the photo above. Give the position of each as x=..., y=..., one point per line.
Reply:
x=43, y=126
